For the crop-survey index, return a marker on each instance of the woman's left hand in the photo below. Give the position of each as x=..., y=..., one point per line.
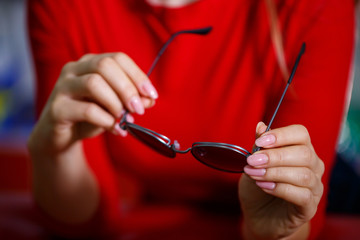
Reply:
x=282, y=187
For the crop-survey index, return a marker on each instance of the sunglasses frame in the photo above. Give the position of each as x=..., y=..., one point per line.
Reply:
x=165, y=141
x=173, y=147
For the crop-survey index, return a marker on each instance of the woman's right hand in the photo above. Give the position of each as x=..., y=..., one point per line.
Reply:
x=89, y=97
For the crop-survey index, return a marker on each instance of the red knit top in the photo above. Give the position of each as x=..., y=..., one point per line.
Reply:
x=211, y=88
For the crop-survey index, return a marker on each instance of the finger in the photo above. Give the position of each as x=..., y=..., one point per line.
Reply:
x=88, y=63
x=95, y=88
x=130, y=69
x=302, y=197
x=122, y=132
x=87, y=57
x=139, y=78
x=87, y=130
x=289, y=156
x=260, y=129
x=290, y=135
x=147, y=102
x=65, y=109
x=298, y=176
x=111, y=71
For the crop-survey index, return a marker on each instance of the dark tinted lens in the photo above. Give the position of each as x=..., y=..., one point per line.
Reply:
x=220, y=157
x=152, y=141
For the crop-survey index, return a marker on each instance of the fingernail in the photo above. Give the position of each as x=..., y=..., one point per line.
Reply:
x=121, y=113
x=254, y=171
x=130, y=118
x=260, y=128
x=119, y=131
x=257, y=126
x=266, y=185
x=177, y=145
x=265, y=140
x=150, y=90
x=136, y=104
x=257, y=159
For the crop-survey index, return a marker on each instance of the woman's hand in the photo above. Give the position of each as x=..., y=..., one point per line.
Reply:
x=89, y=98
x=282, y=187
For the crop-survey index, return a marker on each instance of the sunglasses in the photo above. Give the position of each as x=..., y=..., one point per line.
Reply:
x=220, y=156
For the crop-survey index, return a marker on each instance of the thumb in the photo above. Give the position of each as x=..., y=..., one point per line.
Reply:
x=260, y=129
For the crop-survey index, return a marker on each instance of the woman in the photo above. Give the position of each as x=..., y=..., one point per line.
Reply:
x=92, y=58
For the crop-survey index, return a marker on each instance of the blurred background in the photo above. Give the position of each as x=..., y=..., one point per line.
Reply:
x=17, y=119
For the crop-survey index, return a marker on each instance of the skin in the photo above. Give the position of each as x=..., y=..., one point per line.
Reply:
x=170, y=3
x=285, y=191
x=278, y=197
x=88, y=99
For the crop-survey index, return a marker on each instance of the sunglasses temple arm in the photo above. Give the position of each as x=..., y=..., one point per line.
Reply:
x=162, y=50
x=277, y=108
x=302, y=50
x=200, y=31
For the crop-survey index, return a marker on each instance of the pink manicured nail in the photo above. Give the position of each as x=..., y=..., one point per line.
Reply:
x=121, y=113
x=130, y=118
x=150, y=90
x=257, y=159
x=254, y=171
x=137, y=105
x=120, y=131
x=265, y=140
x=266, y=185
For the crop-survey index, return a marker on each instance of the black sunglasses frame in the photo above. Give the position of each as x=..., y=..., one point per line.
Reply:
x=166, y=142
x=171, y=148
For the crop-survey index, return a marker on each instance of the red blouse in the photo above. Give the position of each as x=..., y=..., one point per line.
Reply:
x=211, y=88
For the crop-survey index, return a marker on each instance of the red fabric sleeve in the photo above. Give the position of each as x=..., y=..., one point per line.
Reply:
x=320, y=88
x=50, y=53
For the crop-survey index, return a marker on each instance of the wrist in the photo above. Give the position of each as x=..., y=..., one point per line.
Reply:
x=45, y=142
x=44, y=154
x=36, y=145
x=248, y=232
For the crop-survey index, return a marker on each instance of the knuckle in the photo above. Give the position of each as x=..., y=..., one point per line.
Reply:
x=305, y=178
x=90, y=111
x=306, y=197
x=87, y=56
x=304, y=132
x=93, y=81
x=104, y=63
x=127, y=90
x=301, y=128
x=67, y=68
x=55, y=108
x=60, y=86
x=121, y=57
x=321, y=191
x=126, y=62
x=307, y=155
x=322, y=167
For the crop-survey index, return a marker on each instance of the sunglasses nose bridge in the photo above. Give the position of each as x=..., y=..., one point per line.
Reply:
x=176, y=146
